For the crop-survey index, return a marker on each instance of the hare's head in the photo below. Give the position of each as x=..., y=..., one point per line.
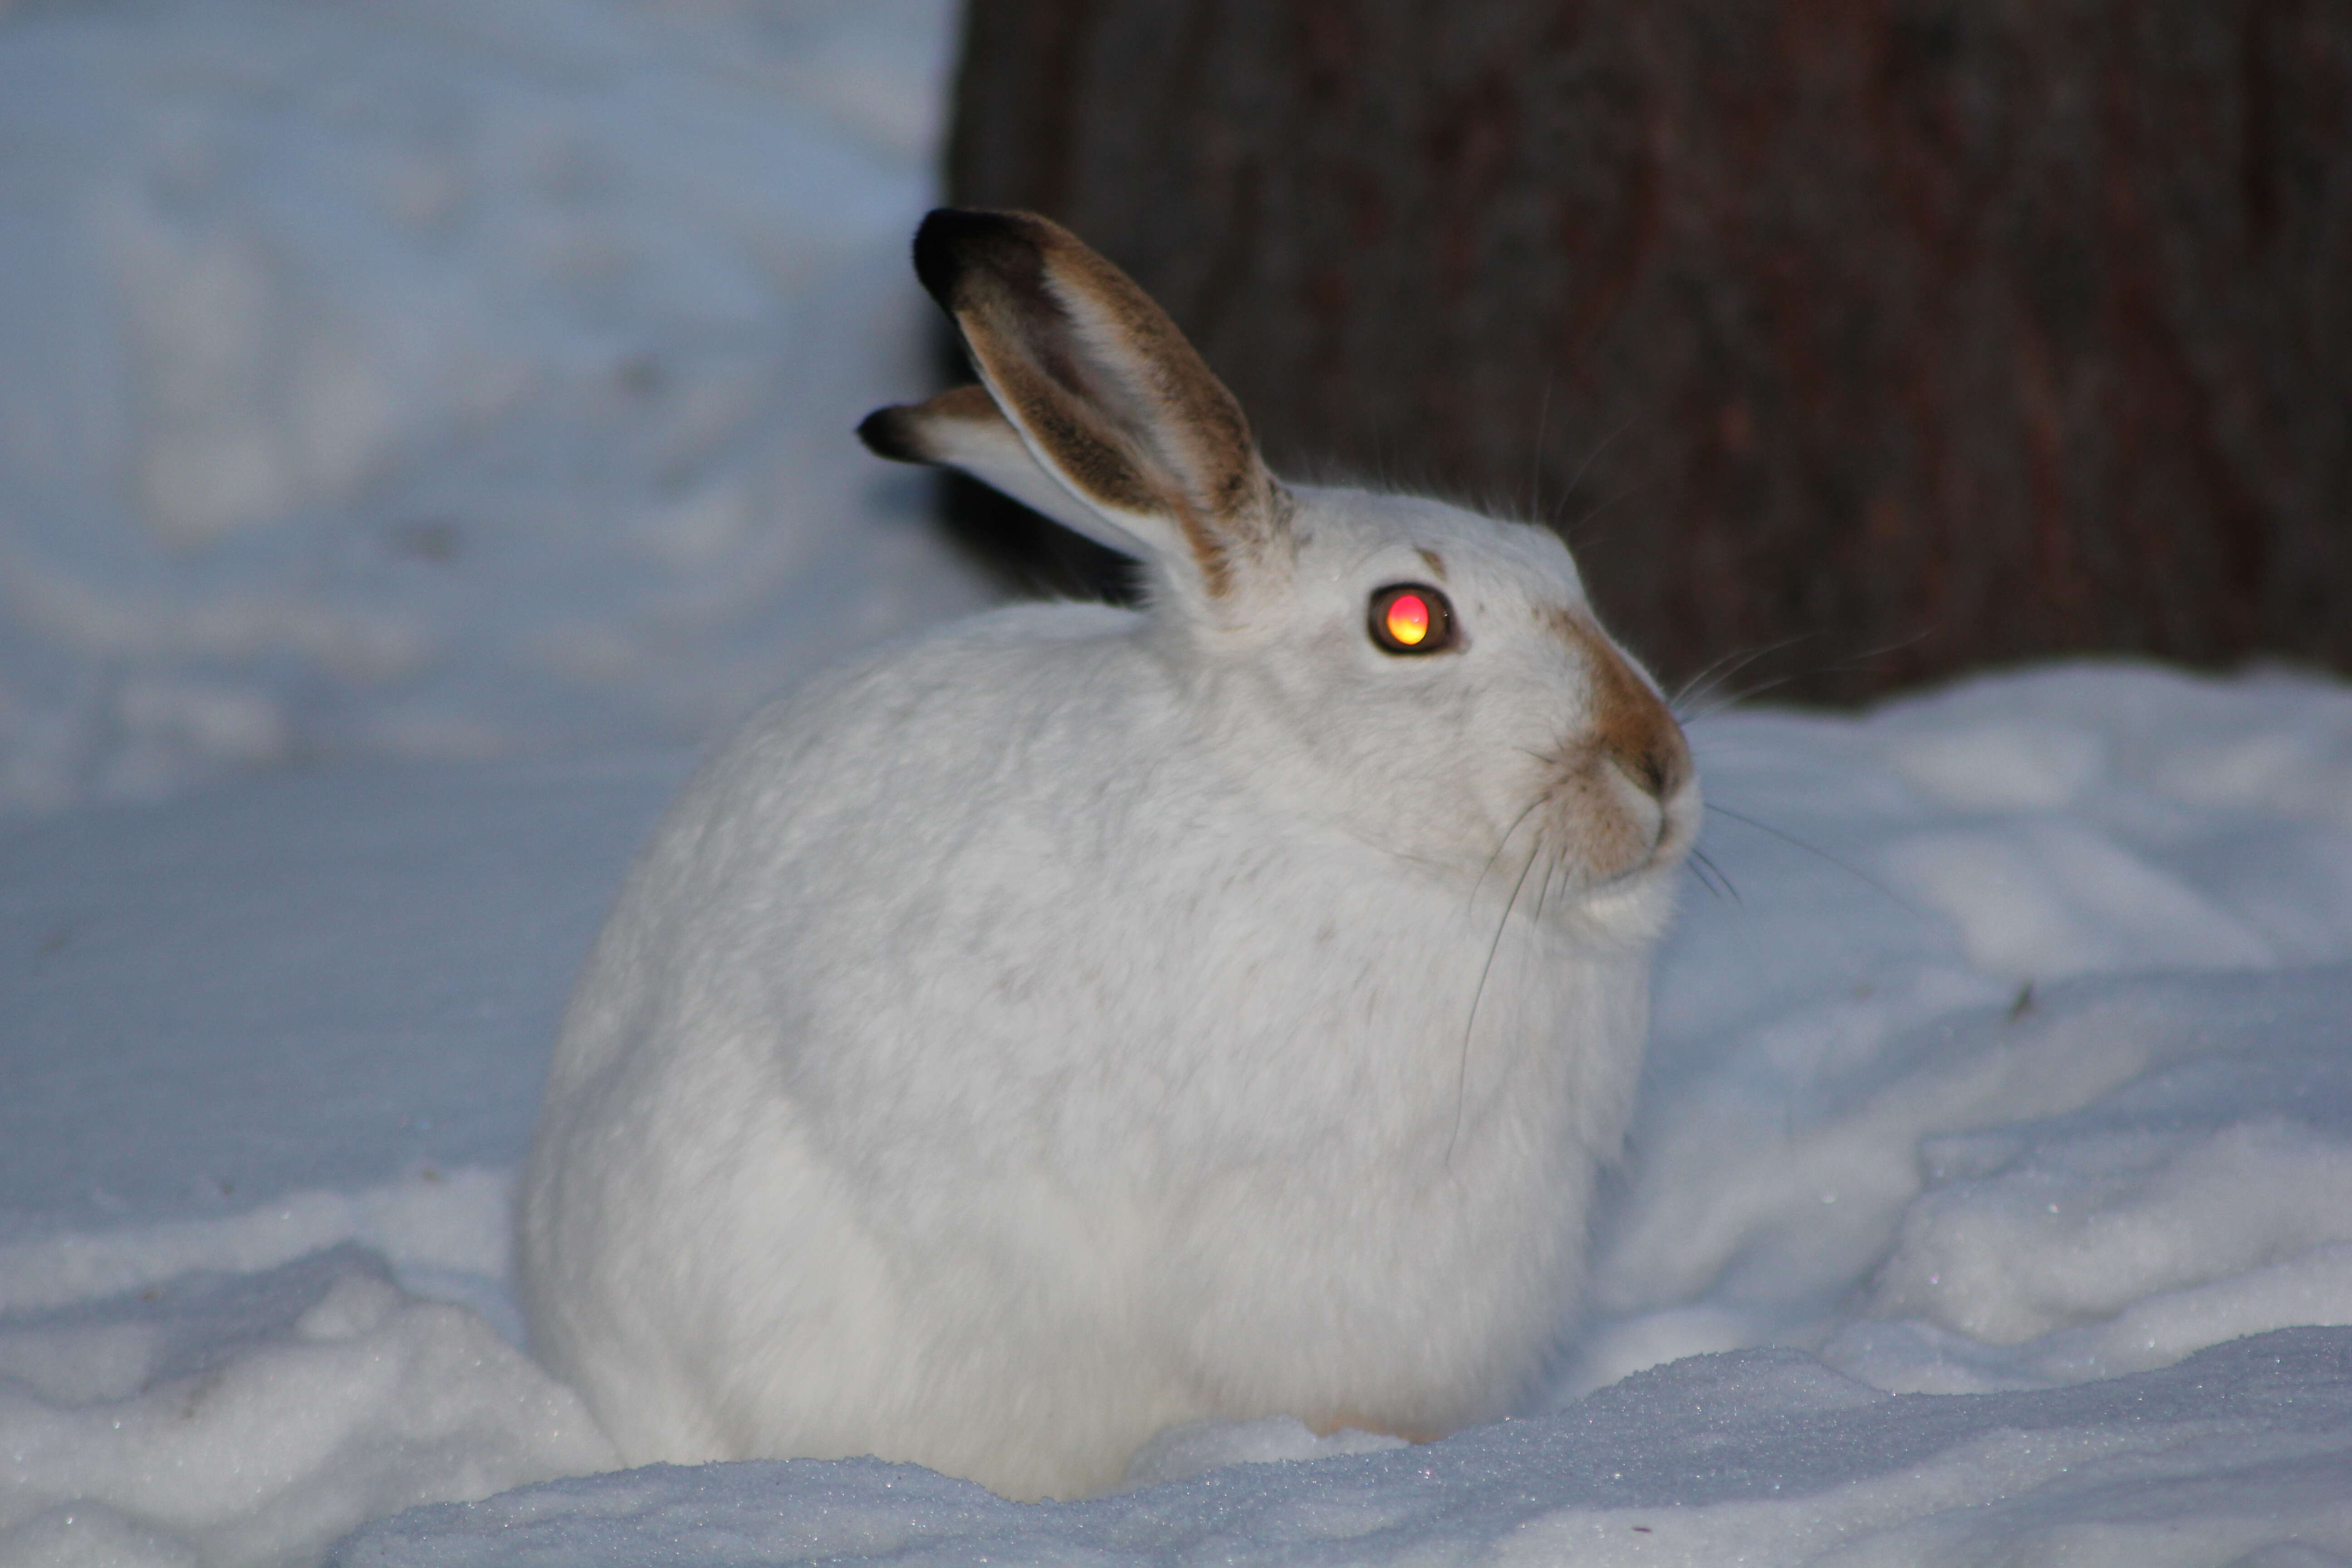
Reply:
x=1426, y=679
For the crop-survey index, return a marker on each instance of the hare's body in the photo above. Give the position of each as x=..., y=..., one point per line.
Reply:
x=1083, y=1020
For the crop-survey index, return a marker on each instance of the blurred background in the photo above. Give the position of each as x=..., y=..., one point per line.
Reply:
x=423, y=378
x=391, y=379
x=1895, y=337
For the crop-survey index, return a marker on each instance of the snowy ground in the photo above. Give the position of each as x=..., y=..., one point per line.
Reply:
x=422, y=378
x=2002, y=1096
x=2028, y=1069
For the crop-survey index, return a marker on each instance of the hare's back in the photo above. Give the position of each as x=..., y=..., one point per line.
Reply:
x=841, y=823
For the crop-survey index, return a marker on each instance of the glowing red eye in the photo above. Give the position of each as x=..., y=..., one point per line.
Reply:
x=1410, y=617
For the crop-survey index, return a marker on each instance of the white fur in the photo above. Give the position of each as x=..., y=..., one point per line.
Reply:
x=1062, y=1026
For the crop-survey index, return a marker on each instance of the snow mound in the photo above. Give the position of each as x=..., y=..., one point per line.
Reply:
x=2013, y=1053
x=428, y=379
x=267, y=1035
x=451, y=1226
x=253, y=1419
x=1757, y=1457
x=1195, y=1448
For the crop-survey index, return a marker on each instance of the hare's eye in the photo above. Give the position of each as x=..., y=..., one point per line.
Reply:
x=1412, y=618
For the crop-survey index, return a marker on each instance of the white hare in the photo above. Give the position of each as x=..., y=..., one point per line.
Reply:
x=1083, y=1020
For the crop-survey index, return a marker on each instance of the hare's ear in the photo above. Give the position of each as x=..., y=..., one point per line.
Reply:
x=1105, y=396
x=961, y=429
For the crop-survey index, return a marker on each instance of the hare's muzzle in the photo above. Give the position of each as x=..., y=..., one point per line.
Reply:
x=1638, y=751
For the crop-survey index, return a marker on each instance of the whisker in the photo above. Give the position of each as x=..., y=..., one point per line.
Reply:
x=1701, y=696
x=1577, y=477
x=1707, y=677
x=1700, y=874
x=1500, y=845
x=1543, y=434
x=1859, y=661
x=1703, y=686
x=1720, y=886
x=1543, y=889
x=1855, y=873
x=1462, y=1074
x=1717, y=702
x=1602, y=505
x=1882, y=649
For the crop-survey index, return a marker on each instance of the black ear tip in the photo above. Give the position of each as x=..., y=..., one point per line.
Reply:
x=955, y=238
x=890, y=433
x=938, y=253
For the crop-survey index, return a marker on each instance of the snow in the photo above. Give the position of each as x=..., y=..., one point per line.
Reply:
x=1984, y=1249
x=1761, y=1456
x=421, y=422
x=424, y=378
x=253, y=1418
x=2047, y=1133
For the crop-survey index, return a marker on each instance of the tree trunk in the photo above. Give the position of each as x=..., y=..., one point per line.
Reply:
x=1901, y=337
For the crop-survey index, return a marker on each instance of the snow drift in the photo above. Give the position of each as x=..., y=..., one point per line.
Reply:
x=429, y=379
x=2010, y=1228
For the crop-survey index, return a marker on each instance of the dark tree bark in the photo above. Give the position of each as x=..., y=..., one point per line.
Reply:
x=1927, y=335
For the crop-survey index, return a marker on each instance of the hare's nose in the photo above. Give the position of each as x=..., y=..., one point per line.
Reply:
x=1655, y=757
x=1631, y=725
x=1636, y=731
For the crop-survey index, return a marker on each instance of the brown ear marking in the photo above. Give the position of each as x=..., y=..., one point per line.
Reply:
x=1631, y=724
x=1101, y=380
x=898, y=432
x=1096, y=457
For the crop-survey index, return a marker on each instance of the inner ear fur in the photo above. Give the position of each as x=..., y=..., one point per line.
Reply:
x=963, y=429
x=1103, y=391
